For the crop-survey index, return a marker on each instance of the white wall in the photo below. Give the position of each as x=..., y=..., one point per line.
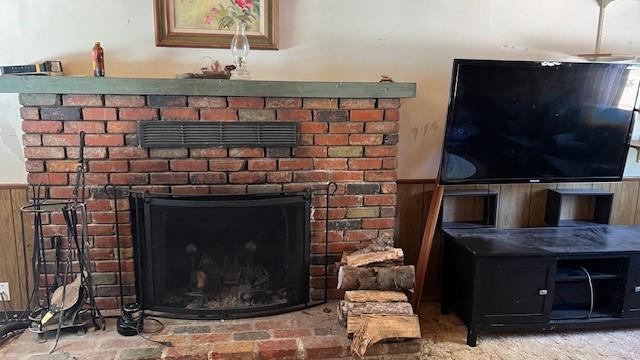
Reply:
x=340, y=40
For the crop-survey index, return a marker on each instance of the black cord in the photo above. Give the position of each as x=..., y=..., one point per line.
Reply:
x=133, y=318
x=163, y=343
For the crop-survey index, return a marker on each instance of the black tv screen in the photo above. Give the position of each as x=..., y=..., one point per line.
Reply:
x=521, y=121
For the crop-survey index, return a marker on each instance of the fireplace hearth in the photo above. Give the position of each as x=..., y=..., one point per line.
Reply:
x=222, y=256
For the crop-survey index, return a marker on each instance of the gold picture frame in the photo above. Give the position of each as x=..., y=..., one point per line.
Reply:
x=208, y=23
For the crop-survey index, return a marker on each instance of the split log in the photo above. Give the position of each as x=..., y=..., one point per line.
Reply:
x=201, y=279
x=400, y=308
x=351, y=312
x=374, y=295
x=383, y=243
x=342, y=316
x=390, y=255
x=376, y=328
x=354, y=323
x=376, y=278
x=388, y=263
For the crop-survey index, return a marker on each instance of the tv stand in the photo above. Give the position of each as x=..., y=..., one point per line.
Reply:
x=542, y=278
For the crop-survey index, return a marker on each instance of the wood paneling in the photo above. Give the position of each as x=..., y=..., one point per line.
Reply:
x=410, y=219
x=513, y=205
x=12, y=269
x=519, y=205
x=19, y=198
x=625, y=202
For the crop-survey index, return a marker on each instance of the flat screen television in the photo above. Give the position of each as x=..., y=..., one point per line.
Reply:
x=524, y=121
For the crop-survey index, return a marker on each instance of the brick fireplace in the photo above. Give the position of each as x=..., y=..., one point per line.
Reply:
x=348, y=136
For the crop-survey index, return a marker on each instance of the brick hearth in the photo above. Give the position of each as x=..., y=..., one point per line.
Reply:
x=352, y=141
x=310, y=334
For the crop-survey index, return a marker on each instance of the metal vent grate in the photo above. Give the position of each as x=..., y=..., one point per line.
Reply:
x=167, y=134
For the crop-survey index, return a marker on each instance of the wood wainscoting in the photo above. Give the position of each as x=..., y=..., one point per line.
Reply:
x=12, y=267
x=519, y=205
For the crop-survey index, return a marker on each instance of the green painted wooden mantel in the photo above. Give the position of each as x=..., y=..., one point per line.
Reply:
x=209, y=87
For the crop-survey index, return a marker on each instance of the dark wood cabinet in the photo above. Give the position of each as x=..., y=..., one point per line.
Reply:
x=632, y=296
x=520, y=289
x=542, y=278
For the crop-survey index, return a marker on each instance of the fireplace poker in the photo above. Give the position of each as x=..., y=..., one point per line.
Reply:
x=330, y=192
x=129, y=323
x=82, y=167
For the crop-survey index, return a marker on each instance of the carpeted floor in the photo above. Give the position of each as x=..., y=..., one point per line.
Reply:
x=445, y=338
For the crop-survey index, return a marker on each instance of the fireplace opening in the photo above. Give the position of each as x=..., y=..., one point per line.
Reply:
x=223, y=256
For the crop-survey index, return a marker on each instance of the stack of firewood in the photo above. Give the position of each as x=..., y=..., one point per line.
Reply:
x=375, y=306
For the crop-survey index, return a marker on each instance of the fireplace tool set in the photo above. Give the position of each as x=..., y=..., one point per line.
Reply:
x=62, y=296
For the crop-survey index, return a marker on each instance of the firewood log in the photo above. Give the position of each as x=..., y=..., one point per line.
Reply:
x=403, y=308
x=354, y=323
x=342, y=316
x=376, y=278
x=376, y=328
x=362, y=259
x=374, y=295
x=350, y=312
x=383, y=243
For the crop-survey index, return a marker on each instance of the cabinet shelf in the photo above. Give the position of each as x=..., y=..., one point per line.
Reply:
x=576, y=314
x=465, y=202
x=575, y=275
x=465, y=225
x=602, y=202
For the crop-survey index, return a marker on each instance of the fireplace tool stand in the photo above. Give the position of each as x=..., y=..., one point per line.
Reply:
x=67, y=303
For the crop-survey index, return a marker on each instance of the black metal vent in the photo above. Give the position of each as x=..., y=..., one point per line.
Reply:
x=167, y=134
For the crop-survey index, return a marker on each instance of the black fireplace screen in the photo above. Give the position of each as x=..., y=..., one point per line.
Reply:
x=222, y=257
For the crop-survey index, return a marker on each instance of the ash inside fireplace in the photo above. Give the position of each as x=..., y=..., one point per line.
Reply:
x=227, y=282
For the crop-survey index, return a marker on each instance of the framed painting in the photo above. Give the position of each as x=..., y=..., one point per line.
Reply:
x=211, y=23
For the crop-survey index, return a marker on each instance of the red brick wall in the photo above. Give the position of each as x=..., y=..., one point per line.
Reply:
x=350, y=141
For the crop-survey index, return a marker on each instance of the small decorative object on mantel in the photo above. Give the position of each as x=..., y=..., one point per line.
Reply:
x=44, y=68
x=210, y=23
x=386, y=78
x=240, y=49
x=214, y=71
x=97, y=53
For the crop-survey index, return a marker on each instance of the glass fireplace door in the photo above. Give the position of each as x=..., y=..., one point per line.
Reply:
x=225, y=257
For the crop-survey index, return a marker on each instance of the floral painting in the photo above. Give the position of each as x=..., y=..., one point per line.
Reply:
x=217, y=15
x=211, y=23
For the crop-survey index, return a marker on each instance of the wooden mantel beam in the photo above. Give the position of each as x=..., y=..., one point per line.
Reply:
x=206, y=87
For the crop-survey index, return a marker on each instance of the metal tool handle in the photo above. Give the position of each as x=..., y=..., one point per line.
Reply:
x=81, y=169
x=82, y=144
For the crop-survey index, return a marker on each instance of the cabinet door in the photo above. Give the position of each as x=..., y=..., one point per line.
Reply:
x=632, y=296
x=514, y=290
